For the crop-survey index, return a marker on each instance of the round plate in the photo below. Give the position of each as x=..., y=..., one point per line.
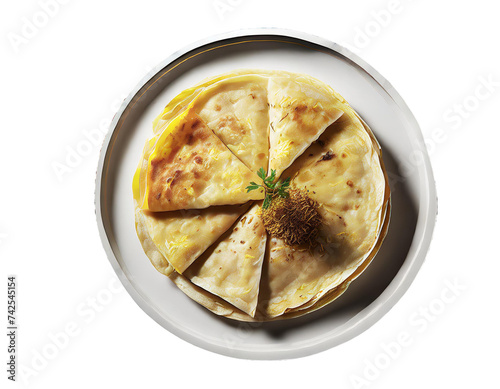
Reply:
x=368, y=298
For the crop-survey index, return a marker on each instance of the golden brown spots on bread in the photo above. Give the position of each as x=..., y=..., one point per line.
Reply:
x=156, y=165
x=326, y=157
x=300, y=108
x=195, y=124
x=173, y=180
x=350, y=183
x=298, y=112
x=182, y=169
x=231, y=123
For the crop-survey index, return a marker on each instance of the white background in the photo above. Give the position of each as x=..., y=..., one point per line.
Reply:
x=67, y=75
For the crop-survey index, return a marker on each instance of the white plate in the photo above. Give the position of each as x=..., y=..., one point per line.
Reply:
x=414, y=202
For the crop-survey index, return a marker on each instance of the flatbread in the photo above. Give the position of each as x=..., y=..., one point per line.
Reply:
x=222, y=308
x=183, y=99
x=190, y=168
x=299, y=280
x=236, y=110
x=299, y=113
x=157, y=259
x=180, y=237
x=342, y=172
x=316, y=139
x=231, y=268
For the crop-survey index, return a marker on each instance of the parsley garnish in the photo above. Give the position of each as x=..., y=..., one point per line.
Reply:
x=271, y=188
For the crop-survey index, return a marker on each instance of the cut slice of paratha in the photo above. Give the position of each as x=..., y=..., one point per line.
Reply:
x=175, y=239
x=236, y=110
x=299, y=113
x=184, y=98
x=182, y=236
x=191, y=168
x=231, y=268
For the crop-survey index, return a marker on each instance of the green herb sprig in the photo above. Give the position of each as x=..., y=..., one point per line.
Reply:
x=271, y=188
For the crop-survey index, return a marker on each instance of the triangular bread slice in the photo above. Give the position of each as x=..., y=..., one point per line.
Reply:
x=299, y=113
x=236, y=110
x=231, y=268
x=191, y=168
x=180, y=237
x=184, y=98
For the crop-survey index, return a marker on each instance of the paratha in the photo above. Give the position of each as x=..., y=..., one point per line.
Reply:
x=191, y=168
x=342, y=172
x=236, y=110
x=299, y=113
x=180, y=237
x=290, y=125
x=231, y=268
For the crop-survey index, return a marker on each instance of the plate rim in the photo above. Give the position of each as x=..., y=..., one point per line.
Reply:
x=370, y=314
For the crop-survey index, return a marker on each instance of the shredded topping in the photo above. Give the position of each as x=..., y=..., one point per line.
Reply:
x=294, y=219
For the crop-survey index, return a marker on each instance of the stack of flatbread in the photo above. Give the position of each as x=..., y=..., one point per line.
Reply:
x=200, y=226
